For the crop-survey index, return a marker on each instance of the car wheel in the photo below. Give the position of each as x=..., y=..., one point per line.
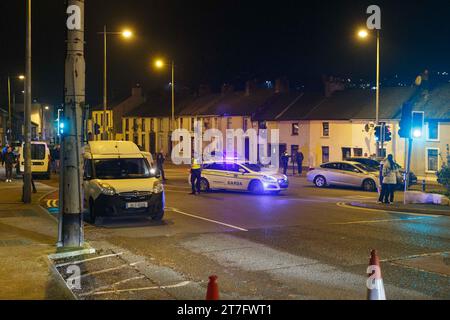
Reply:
x=320, y=181
x=92, y=216
x=204, y=185
x=369, y=185
x=256, y=187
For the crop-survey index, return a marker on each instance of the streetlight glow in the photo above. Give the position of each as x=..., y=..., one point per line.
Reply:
x=47, y=108
x=21, y=77
x=127, y=34
x=159, y=63
x=363, y=34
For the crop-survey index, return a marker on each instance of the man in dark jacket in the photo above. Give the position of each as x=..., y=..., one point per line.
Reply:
x=299, y=158
x=160, y=164
x=285, y=161
x=10, y=160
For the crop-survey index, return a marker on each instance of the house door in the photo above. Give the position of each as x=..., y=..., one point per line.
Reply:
x=346, y=153
x=152, y=143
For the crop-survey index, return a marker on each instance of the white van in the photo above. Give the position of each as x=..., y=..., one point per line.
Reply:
x=119, y=182
x=40, y=159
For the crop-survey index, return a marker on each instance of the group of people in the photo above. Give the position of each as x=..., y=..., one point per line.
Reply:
x=8, y=159
x=297, y=158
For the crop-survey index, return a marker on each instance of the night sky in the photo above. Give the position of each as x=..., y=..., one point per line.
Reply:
x=217, y=41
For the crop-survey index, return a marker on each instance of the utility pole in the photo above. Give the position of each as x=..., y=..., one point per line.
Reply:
x=26, y=194
x=70, y=188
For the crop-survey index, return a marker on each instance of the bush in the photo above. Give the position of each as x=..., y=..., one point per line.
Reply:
x=444, y=178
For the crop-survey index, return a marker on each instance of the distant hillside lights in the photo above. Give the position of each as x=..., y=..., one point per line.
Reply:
x=236, y=143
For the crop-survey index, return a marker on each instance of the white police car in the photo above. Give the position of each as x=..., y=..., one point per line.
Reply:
x=241, y=176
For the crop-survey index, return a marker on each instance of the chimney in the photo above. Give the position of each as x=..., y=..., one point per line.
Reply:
x=136, y=91
x=281, y=85
x=249, y=87
x=227, y=88
x=332, y=85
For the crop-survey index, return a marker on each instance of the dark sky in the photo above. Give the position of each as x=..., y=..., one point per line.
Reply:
x=217, y=41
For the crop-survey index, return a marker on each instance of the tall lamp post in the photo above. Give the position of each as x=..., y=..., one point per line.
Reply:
x=161, y=64
x=13, y=106
x=363, y=34
x=127, y=34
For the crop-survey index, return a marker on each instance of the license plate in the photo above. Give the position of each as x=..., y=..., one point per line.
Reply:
x=136, y=205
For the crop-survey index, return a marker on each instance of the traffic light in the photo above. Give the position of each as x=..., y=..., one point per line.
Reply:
x=62, y=127
x=405, y=122
x=417, y=124
x=387, y=134
x=377, y=133
x=96, y=129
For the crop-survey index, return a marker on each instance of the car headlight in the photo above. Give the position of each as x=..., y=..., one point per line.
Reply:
x=152, y=171
x=269, y=179
x=158, y=187
x=107, y=189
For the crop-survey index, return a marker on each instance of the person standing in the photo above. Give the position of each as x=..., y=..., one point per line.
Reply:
x=10, y=160
x=57, y=157
x=299, y=158
x=285, y=161
x=389, y=179
x=160, y=163
x=196, y=176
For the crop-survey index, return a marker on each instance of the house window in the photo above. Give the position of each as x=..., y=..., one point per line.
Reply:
x=135, y=125
x=127, y=125
x=152, y=125
x=192, y=124
x=346, y=153
x=143, y=125
x=357, y=152
x=433, y=130
x=143, y=142
x=229, y=123
x=295, y=129
x=206, y=124
x=181, y=123
x=432, y=160
x=325, y=154
x=96, y=118
x=245, y=125
x=325, y=129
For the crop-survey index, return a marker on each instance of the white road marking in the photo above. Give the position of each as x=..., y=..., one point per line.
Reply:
x=108, y=270
x=181, y=284
x=90, y=259
x=343, y=205
x=416, y=256
x=111, y=286
x=205, y=219
x=376, y=221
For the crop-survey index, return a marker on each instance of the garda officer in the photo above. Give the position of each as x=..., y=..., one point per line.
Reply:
x=196, y=175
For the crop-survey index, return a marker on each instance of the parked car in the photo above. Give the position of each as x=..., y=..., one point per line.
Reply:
x=231, y=175
x=344, y=173
x=375, y=164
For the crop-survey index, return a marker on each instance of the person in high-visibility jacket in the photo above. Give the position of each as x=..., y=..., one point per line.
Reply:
x=196, y=175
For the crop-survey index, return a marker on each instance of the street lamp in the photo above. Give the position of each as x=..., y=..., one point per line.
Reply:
x=10, y=109
x=126, y=34
x=363, y=34
x=159, y=64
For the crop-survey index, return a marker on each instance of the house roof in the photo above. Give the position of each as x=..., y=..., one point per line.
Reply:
x=437, y=105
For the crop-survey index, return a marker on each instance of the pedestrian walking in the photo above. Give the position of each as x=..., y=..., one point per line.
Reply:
x=10, y=160
x=299, y=159
x=160, y=158
x=57, y=157
x=285, y=161
x=196, y=176
x=389, y=180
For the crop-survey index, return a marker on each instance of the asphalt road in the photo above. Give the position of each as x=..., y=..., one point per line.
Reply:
x=302, y=244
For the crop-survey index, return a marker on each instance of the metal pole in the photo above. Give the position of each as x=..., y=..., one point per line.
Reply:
x=9, y=111
x=407, y=169
x=71, y=206
x=105, y=83
x=173, y=95
x=377, y=99
x=26, y=196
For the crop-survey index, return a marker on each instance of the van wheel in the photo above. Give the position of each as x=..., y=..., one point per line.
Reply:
x=92, y=216
x=204, y=185
x=256, y=187
x=320, y=182
x=369, y=185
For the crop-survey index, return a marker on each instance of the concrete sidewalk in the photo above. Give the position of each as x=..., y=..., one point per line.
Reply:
x=27, y=236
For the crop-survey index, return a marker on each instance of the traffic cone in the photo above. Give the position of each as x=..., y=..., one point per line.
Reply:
x=213, y=289
x=375, y=286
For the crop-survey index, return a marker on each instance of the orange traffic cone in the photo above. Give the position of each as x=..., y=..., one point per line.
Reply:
x=213, y=289
x=375, y=286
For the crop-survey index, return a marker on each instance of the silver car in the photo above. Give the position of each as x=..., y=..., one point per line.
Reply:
x=344, y=173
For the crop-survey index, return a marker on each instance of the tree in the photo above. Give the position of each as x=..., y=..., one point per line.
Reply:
x=443, y=175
